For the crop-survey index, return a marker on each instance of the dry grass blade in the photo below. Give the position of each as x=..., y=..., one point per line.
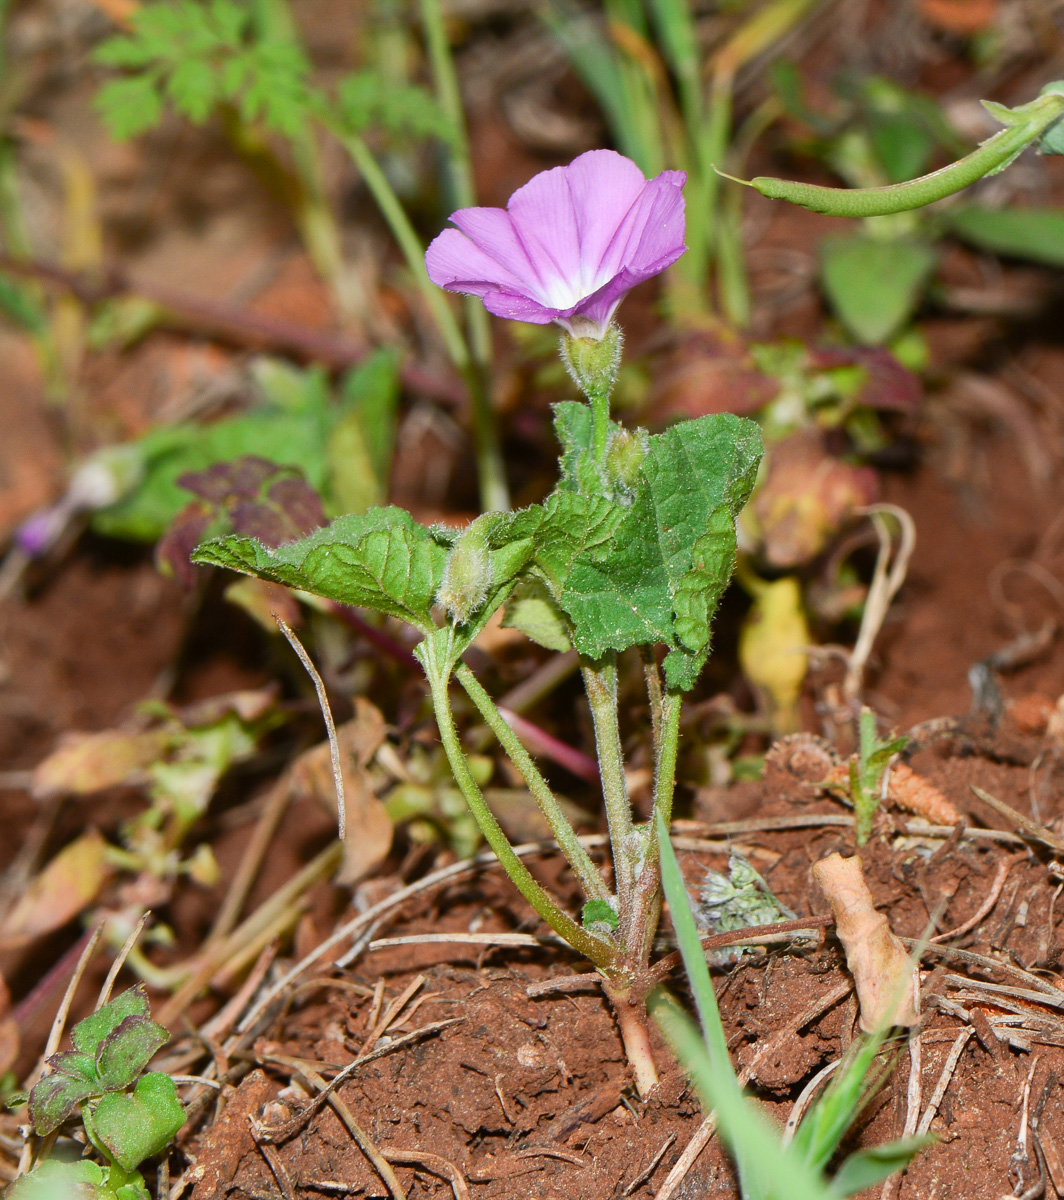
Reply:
x=887, y=578
x=1031, y=828
x=686, y=1161
x=282, y=1133
x=435, y=1165
x=946, y=1074
x=330, y=724
x=987, y=906
x=55, y=1034
x=805, y=1098
x=651, y=1166
x=120, y=960
x=273, y=1161
x=366, y=1145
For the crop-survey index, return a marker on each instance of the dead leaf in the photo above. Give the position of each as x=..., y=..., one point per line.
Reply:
x=369, y=828
x=62, y=890
x=877, y=960
x=806, y=497
x=87, y=762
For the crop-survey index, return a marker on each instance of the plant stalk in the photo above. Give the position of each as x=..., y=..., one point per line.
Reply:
x=600, y=683
x=564, y=834
x=598, y=951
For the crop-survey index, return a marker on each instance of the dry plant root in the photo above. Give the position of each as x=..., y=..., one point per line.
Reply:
x=876, y=958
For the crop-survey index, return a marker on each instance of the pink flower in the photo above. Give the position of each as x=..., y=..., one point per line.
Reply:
x=569, y=245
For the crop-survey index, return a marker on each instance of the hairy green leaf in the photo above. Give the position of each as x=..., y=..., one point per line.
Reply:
x=89, y=1033
x=382, y=559
x=126, y=1051
x=533, y=610
x=656, y=576
x=135, y=1126
x=54, y=1097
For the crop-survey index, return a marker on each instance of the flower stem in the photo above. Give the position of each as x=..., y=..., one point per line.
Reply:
x=563, y=832
x=598, y=951
x=600, y=683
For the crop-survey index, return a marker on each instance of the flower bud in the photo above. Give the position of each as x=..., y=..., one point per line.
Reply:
x=467, y=575
x=625, y=452
x=593, y=362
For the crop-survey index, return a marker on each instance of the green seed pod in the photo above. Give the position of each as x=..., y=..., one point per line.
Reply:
x=1039, y=121
x=467, y=575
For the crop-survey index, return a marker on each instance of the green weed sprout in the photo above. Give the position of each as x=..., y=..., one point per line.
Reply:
x=867, y=768
x=127, y=1115
x=768, y=1168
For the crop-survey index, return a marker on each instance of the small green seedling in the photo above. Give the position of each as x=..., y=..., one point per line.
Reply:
x=128, y=1116
x=867, y=768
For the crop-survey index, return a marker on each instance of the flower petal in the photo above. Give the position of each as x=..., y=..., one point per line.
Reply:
x=604, y=185
x=493, y=232
x=519, y=308
x=458, y=264
x=651, y=236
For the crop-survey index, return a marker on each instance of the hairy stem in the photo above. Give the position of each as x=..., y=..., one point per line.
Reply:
x=600, y=683
x=564, y=834
x=599, y=952
x=646, y=911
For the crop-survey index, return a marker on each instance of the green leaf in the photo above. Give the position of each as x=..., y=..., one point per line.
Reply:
x=359, y=446
x=193, y=88
x=533, y=610
x=129, y=107
x=572, y=427
x=599, y=912
x=127, y=1050
x=135, y=1126
x=54, y=1097
x=89, y=1033
x=382, y=560
x=288, y=439
x=659, y=573
x=1036, y=234
x=57, y=1180
x=874, y=285
x=866, y=1168
x=572, y=525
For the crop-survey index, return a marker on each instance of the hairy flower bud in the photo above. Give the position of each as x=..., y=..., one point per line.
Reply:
x=467, y=575
x=593, y=362
x=625, y=452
